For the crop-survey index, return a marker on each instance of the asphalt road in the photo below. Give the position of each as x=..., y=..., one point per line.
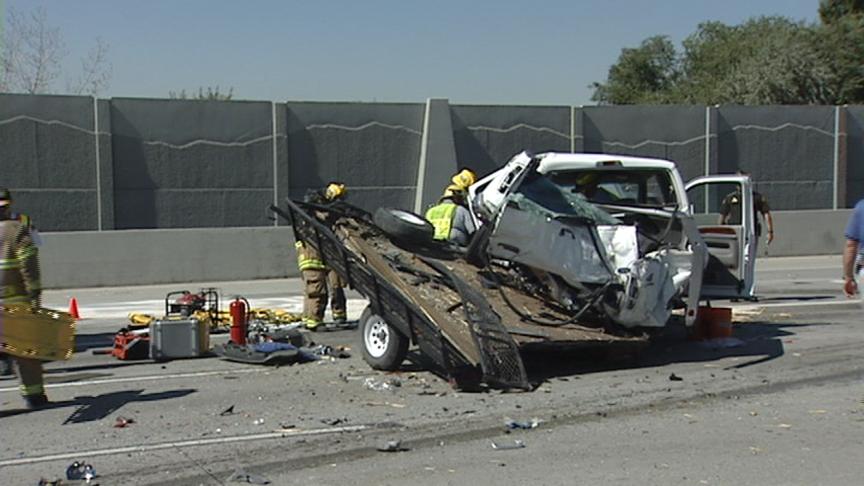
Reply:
x=782, y=403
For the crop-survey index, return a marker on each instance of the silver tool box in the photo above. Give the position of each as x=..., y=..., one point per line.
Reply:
x=178, y=338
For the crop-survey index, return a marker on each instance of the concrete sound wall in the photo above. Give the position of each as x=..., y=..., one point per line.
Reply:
x=854, y=155
x=675, y=133
x=788, y=150
x=373, y=147
x=48, y=158
x=186, y=164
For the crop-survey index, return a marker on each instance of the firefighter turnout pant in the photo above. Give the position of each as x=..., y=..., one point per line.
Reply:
x=30, y=374
x=317, y=278
x=316, y=293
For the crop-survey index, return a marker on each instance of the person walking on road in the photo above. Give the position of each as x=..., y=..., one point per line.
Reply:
x=316, y=276
x=450, y=218
x=852, y=261
x=20, y=285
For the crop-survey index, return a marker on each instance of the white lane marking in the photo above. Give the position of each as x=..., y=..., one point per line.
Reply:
x=795, y=304
x=121, y=310
x=171, y=445
x=146, y=378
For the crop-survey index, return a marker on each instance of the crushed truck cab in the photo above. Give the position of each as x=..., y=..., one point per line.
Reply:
x=573, y=249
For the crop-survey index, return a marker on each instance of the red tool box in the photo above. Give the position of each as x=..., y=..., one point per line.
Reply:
x=130, y=345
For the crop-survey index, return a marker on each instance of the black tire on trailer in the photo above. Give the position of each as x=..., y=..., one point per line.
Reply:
x=476, y=253
x=404, y=225
x=384, y=347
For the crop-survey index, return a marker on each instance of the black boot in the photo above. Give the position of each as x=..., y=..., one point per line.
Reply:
x=35, y=402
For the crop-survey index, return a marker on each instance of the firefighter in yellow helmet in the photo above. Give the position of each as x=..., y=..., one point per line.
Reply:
x=450, y=217
x=316, y=276
x=20, y=284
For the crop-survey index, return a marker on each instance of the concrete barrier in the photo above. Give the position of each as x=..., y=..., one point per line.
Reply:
x=140, y=257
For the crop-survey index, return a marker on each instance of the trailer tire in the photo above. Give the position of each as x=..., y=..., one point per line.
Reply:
x=384, y=347
x=404, y=225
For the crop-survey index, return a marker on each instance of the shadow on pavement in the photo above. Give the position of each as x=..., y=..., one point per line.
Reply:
x=92, y=408
x=761, y=341
x=83, y=342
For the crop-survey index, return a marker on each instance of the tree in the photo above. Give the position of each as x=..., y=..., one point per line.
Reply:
x=765, y=60
x=831, y=11
x=211, y=94
x=645, y=74
x=32, y=54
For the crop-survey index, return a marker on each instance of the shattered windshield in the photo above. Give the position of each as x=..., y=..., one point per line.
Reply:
x=627, y=187
x=541, y=194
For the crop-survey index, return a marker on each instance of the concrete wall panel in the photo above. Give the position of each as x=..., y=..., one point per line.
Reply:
x=47, y=158
x=789, y=151
x=675, y=133
x=854, y=154
x=166, y=152
x=486, y=137
x=138, y=257
x=373, y=148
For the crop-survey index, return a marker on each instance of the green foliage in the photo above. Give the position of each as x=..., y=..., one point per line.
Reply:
x=210, y=94
x=765, y=60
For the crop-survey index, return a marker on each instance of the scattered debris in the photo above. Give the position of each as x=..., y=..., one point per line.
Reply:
x=50, y=482
x=122, y=422
x=784, y=426
x=392, y=446
x=516, y=444
x=335, y=421
x=526, y=425
x=227, y=411
x=674, y=377
x=258, y=421
x=241, y=476
x=80, y=470
x=390, y=384
x=385, y=404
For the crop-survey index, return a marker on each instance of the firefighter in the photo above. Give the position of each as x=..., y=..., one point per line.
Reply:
x=19, y=284
x=316, y=276
x=450, y=217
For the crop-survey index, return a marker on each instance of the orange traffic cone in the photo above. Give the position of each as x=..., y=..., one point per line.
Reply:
x=73, y=308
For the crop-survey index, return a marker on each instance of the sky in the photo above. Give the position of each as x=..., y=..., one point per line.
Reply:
x=470, y=51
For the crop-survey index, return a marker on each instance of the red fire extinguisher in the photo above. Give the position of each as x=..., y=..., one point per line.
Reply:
x=238, y=309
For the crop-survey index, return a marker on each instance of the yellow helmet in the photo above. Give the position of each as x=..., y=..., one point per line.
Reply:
x=453, y=190
x=464, y=179
x=334, y=190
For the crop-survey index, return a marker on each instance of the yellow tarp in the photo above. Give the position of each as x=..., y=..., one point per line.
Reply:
x=41, y=333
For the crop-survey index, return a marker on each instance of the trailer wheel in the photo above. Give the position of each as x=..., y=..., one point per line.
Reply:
x=384, y=347
x=404, y=225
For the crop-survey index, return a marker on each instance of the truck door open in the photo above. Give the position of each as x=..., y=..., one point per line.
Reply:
x=722, y=207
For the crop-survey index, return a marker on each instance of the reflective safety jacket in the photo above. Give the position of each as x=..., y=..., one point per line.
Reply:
x=308, y=257
x=19, y=263
x=441, y=217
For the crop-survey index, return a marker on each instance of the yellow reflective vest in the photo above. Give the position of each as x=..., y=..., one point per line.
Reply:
x=441, y=217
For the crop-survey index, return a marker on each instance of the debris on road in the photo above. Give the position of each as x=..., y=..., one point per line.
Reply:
x=525, y=425
x=241, y=476
x=122, y=422
x=50, y=482
x=674, y=377
x=80, y=470
x=227, y=411
x=502, y=446
x=389, y=384
x=392, y=446
x=335, y=421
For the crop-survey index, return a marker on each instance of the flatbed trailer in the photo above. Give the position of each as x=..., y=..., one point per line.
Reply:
x=471, y=322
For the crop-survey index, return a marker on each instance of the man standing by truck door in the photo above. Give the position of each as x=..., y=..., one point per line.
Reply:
x=19, y=284
x=316, y=276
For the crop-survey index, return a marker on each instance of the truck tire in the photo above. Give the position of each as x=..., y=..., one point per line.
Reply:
x=384, y=347
x=404, y=225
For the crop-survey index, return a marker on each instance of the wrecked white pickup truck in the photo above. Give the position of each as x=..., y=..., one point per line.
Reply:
x=579, y=249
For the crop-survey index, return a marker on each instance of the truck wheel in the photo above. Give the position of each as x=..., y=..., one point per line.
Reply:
x=384, y=348
x=404, y=225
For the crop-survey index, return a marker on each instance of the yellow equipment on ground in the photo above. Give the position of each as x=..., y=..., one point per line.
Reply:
x=37, y=333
